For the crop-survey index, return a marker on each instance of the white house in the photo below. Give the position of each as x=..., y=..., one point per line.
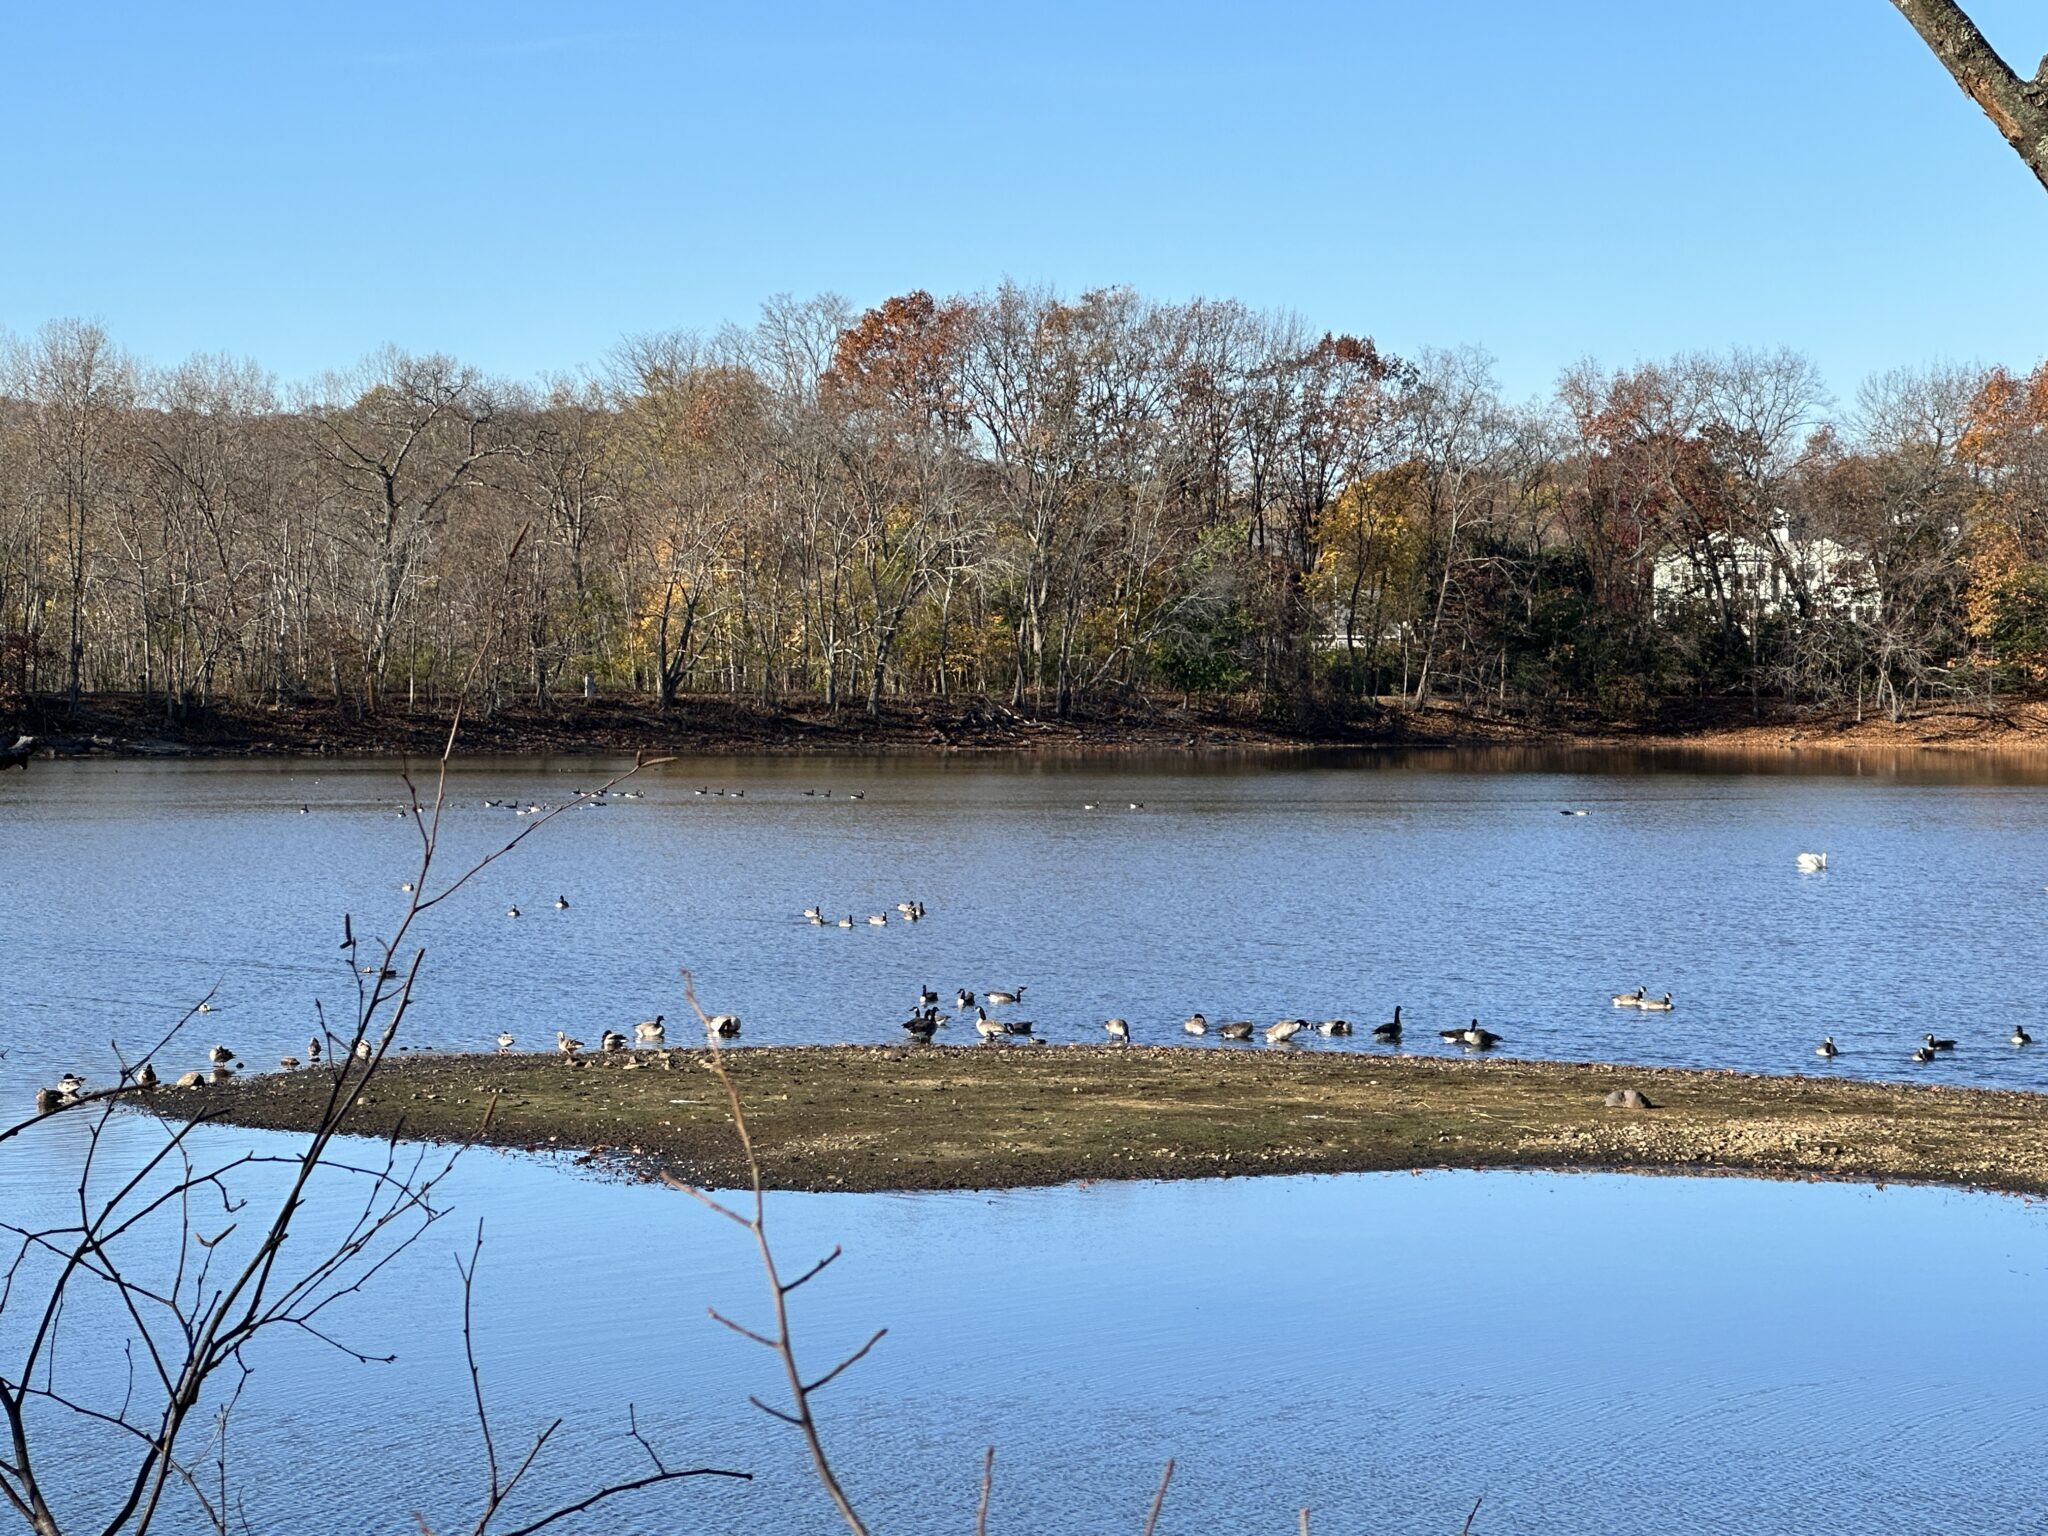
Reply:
x=1758, y=574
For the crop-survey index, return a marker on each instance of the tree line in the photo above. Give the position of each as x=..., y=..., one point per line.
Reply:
x=1063, y=503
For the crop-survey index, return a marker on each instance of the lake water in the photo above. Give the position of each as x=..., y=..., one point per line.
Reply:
x=1590, y=1353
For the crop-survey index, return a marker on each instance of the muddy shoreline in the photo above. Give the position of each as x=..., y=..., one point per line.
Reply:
x=132, y=727
x=862, y=1118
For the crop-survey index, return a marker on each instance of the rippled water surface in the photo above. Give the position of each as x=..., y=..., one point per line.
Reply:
x=1448, y=883
x=1590, y=1353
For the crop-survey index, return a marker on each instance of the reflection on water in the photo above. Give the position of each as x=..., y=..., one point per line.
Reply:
x=1591, y=1353
x=1320, y=884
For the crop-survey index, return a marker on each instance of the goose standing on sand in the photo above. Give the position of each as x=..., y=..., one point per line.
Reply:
x=289, y=1063
x=566, y=1046
x=1631, y=999
x=313, y=1050
x=363, y=1052
x=1657, y=1004
x=1827, y=1049
x=1003, y=999
x=1280, y=1031
x=1391, y=1030
x=1477, y=1039
x=504, y=1042
x=611, y=1042
x=2020, y=1035
x=1236, y=1029
x=145, y=1076
x=1195, y=1024
x=650, y=1031
x=1119, y=1029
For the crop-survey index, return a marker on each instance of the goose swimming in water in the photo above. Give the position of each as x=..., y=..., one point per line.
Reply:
x=70, y=1084
x=1119, y=1029
x=1280, y=1031
x=814, y=915
x=1334, y=1027
x=650, y=1031
x=49, y=1100
x=1657, y=1004
x=1236, y=1029
x=878, y=920
x=1002, y=999
x=1924, y=1054
x=1453, y=1036
x=1812, y=863
x=511, y=911
x=1195, y=1024
x=963, y=999
x=1391, y=1030
x=725, y=1025
x=561, y=903
x=1827, y=1048
x=220, y=1054
x=1631, y=999
x=1938, y=1045
x=1478, y=1039
x=2020, y=1036
x=927, y=998
x=846, y=921
x=1017, y=1026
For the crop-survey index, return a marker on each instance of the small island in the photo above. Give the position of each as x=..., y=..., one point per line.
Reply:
x=918, y=1118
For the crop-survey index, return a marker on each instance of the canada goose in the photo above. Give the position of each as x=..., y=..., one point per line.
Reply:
x=846, y=921
x=1938, y=1045
x=1088, y=805
x=1280, y=1031
x=1570, y=813
x=2020, y=1036
x=1001, y=999
x=289, y=1063
x=1478, y=1039
x=1334, y=1027
x=1118, y=1029
x=313, y=1049
x=1657, y=1004
x=561, y=903
x=921, y=1026
x=1453, y=1036
x=1924, y=1054
x=70, y=1083
x=204, y=1007
x=725, y=1025
x=906, y=907
x=220, y=1054
x=191, y=1079
x=1631, y=999
x=363, y=1051
x=1827, y=1048
x=1196, y=1024
x=963, y=999
x=650, y=1031
x=405, y=885
x=878, y=919
x=927, y=998
x=567, y=1046
x=145, y=1076
x=511, y=911
x=813, y=914
x=1812, y=863
x=1391, y=1030
x=49, y=1100
x=858, y=794
x=1237, y=1029
x=1016, y=1026
x=915, y=914
x=815, y=919
x=504, y=1041
x=611, y=1042
x=986, y=1027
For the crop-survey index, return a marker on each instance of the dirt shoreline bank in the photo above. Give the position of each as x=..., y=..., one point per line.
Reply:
x=131, y=727
x=861, y=1118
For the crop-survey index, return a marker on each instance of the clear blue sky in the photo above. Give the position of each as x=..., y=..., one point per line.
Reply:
x=521, y=184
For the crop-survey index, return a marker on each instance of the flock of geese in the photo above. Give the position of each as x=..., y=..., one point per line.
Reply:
x=926, y=1021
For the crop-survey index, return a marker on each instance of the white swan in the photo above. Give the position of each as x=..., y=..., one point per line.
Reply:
x=1812, y=863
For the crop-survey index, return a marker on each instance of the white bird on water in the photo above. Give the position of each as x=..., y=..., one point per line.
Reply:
x=1812, y=863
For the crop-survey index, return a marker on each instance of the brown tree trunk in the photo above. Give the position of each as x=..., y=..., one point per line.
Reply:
x=2017, y=108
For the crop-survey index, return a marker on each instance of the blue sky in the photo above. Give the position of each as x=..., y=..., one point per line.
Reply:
x=522, y=184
